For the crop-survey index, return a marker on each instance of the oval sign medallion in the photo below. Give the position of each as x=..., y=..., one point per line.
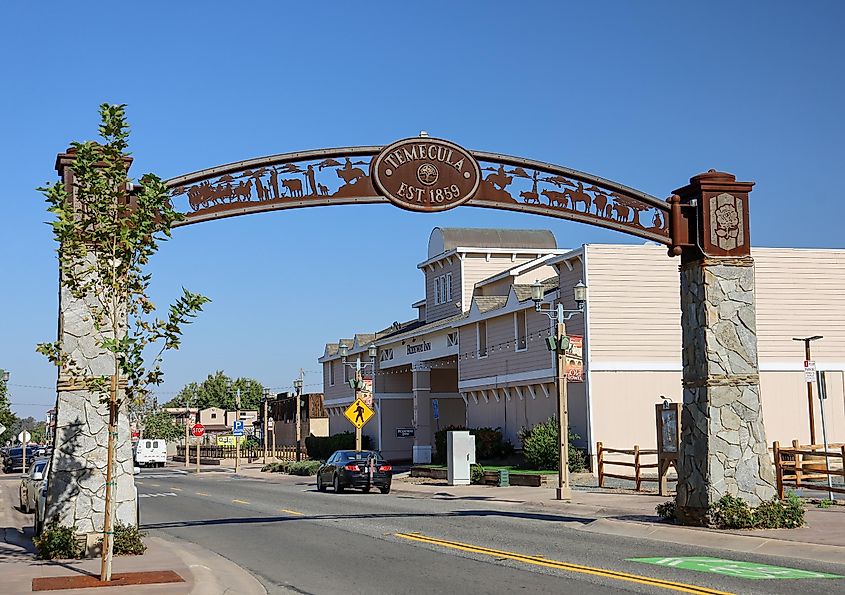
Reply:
x=425, y=174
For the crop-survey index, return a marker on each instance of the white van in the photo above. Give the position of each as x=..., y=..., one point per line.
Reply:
x=151, y=452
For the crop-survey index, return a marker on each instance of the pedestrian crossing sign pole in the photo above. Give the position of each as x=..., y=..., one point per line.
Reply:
x=358, y=414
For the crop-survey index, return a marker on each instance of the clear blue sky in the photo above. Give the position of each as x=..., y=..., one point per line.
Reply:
x=644, y=93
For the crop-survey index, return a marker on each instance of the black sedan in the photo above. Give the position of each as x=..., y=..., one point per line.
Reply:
x=14, y=458
x=362, y=469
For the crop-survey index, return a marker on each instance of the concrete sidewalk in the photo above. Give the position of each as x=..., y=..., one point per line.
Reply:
x=205, y=572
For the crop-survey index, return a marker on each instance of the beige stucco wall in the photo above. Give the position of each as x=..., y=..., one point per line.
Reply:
x=477, y=268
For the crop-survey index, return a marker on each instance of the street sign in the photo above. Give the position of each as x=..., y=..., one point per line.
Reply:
x=404, y=432
x=198, y=430
x=270, y=423
x=238, y=427
x=734, y=568
x=24, y=436
x=358, y=413
x=2, y=428
x=809, y=370
x=435, y=408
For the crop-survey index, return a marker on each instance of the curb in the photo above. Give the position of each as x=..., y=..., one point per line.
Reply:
x=211, y=572
x=719, y=540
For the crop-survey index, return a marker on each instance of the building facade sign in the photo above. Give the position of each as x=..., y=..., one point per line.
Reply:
x=424, y=346
x=426, y=174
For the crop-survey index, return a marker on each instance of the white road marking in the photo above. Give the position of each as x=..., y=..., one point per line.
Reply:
x=157, y=495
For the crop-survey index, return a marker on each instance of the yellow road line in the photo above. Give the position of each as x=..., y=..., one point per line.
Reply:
x=240, y=502
x=293, y=512
x=201, y=494
x=539, y=561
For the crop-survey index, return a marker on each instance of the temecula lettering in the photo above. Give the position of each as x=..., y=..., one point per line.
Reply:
x=403, y=155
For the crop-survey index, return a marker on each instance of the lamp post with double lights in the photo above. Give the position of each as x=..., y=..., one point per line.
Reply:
x=559, y=342
x=358, y=383
x=297, y=387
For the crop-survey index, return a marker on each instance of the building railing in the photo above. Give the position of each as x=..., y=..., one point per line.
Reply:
x=637, y=453
x=282, y=453
x=800, y=465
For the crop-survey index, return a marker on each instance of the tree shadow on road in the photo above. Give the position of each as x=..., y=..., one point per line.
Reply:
x=370, y=516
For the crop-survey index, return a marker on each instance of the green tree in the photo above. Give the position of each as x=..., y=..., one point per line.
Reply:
x=105, y=240
x=159, y=424
x=7, y=418
x=219, y=390
x=37, y=429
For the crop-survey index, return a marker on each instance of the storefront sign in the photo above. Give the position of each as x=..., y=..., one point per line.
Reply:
x=425, y=174
x=809, y=371
x=424, y=346
x=404, y=432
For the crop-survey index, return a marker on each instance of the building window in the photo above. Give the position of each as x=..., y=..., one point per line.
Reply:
x=448, y=287
x=213, y=415
x=452, y=339
x=331, y=373
x=437, y=294
x=481, y=329
x=521, y=333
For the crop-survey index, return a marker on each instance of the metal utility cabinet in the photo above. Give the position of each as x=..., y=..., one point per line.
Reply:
x=460, y=454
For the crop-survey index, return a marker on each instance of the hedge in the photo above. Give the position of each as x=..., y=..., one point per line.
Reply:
x=321, y=448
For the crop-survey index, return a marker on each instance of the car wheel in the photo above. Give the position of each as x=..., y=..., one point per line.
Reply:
x=321, y=487
x=337, y=487
x=385, y=490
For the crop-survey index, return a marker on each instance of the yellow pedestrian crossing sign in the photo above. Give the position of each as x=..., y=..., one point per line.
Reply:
x=358, y=413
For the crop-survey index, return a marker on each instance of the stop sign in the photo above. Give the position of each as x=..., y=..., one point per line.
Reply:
x=198, y=430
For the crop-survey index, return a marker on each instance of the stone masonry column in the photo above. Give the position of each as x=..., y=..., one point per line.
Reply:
x=421, y=385
x=77, y=478
x=723, y=441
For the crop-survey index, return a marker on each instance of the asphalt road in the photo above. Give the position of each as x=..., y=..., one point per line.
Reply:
x=295, y=539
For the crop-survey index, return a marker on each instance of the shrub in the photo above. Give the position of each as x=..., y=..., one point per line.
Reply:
x=251, y=442
x=57, y=542
x=666, y=511
x=734, y=513
x=304, y=468
x=731, y=512
x=281, y=467
x=489, y=443
x=476, y=473
x=128, y=540
x=321, y=448
x=540, y=447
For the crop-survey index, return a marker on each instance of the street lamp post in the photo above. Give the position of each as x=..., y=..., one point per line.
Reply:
x=358, y=383
x=237, y=418
x=264, y=419
x=807, y=357
x=297, y=386
x=559, y=343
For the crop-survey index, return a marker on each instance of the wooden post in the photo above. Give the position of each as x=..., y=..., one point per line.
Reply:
x=600, y=463
x=187, y=447
x=798, y=463
x=274, y=443
x=778, y=468
x=637, y=466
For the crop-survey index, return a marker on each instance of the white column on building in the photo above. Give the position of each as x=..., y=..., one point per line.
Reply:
x=421, y=386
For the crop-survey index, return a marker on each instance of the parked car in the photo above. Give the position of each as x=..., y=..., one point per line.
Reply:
x=14, y=458
x=151, y=452
x=363, y=469
x=31, y=484
x=41, y=501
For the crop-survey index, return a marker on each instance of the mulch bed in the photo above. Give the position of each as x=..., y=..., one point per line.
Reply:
x=119, y=579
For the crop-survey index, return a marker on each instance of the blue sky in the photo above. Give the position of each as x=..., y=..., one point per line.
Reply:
x=643, y=93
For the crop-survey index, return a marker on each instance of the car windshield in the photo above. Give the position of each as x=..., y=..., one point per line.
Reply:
x=39, y=467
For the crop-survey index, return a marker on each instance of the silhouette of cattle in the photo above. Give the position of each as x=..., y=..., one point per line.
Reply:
x=294, y=187
x=556, y=199
x=530, y=197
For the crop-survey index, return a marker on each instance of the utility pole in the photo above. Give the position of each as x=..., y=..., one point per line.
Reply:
x=297, y=385
x=811, y=408
x=238, y=418
x=264, y=418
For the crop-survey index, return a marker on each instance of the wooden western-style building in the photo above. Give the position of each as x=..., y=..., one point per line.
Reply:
x=475, y=354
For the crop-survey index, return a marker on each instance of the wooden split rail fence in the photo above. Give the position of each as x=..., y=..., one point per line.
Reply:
x=800, y=465
x=637, y=453
x=282, y=453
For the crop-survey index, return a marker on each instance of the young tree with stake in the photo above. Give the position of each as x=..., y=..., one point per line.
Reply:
x=106, y=232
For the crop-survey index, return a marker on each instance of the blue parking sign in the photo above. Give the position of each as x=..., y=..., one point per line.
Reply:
x=238, y=428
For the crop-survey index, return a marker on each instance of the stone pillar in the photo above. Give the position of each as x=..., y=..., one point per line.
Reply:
x=77, y=478
x=421, y=385
x=723, y=441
